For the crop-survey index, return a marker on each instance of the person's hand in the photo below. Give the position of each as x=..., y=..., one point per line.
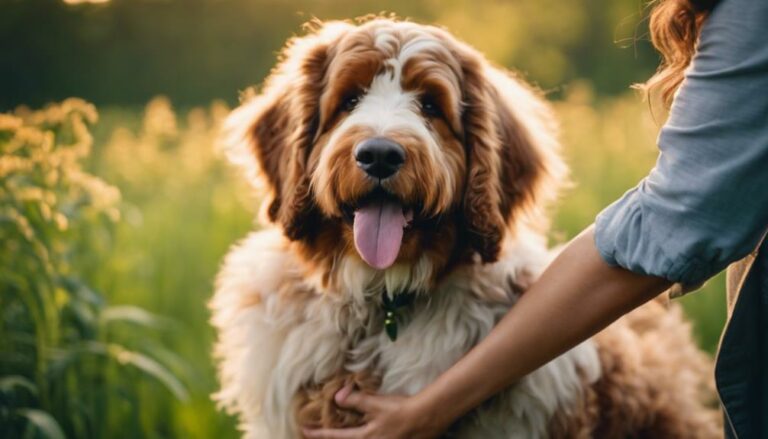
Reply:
x=387, y=417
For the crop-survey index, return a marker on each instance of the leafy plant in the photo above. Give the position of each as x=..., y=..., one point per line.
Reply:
x=68, y=364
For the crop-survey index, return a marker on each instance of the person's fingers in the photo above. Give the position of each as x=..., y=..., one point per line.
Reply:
x=343, y=393
x=335, y=433
x=349, y=399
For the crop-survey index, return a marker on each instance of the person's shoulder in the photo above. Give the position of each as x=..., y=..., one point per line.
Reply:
x=738, y=20
x=733, y=52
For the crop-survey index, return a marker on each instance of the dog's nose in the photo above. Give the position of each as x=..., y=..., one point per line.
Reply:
x=379, y=157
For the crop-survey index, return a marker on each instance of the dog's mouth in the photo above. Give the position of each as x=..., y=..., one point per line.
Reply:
x=379, y=220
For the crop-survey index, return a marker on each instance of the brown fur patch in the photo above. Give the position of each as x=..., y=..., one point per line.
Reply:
x=655, y=383
x=315, y=405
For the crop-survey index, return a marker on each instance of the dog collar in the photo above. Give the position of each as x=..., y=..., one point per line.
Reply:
x=391, y=308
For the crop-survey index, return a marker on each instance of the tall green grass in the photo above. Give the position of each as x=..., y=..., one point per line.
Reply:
x=71, y=363
x=123, y=260
x=183, y=207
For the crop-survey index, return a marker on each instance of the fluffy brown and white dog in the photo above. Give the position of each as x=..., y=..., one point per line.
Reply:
x=408, y=180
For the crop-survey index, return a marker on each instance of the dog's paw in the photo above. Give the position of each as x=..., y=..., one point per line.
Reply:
x=315, y=405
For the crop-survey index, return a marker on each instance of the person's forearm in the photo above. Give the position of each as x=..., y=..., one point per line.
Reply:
x=577, y=296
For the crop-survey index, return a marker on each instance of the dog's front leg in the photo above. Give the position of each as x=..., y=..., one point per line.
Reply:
x=312, y=352
x=315, y=405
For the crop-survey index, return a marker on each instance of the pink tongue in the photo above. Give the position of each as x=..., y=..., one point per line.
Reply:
x=379, y=233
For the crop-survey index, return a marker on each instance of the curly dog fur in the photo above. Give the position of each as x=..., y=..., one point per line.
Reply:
x=299, y=305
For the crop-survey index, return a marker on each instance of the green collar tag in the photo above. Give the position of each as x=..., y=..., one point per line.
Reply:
x=390, y=308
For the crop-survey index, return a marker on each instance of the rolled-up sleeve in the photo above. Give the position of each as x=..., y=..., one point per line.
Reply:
x=705, y=203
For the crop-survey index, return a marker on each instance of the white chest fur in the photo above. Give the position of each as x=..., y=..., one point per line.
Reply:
x=268, y=349
x=438, y=333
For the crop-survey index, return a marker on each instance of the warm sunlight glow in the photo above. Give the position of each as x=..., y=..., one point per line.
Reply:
x=77, y=2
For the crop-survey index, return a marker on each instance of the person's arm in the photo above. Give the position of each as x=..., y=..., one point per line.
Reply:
x=576, y=296
x=579, y=294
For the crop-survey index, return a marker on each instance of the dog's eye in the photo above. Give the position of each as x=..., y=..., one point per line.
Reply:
x=349, y=103
x=429, y=106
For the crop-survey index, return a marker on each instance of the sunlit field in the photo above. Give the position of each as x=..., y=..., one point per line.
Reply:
x=114, y=216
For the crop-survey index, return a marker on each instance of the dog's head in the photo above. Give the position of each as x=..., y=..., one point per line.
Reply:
x=392, y=140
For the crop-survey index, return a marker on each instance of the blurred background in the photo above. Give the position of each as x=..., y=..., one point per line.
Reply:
x=116, y=208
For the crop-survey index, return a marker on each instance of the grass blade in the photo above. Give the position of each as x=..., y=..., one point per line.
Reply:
x=150, y=367
x=134, y=315
x=42, y=422
x=9, y=384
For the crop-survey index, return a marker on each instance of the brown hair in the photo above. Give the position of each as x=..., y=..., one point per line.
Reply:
x=675, y=26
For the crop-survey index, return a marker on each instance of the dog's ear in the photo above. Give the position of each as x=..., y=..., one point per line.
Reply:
x=514, y=167
x=272, y=132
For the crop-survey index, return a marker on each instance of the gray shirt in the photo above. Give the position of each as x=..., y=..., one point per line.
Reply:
x=705, y=203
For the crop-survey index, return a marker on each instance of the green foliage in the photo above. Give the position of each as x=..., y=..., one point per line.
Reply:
x=64, y=362
x=184, y=206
